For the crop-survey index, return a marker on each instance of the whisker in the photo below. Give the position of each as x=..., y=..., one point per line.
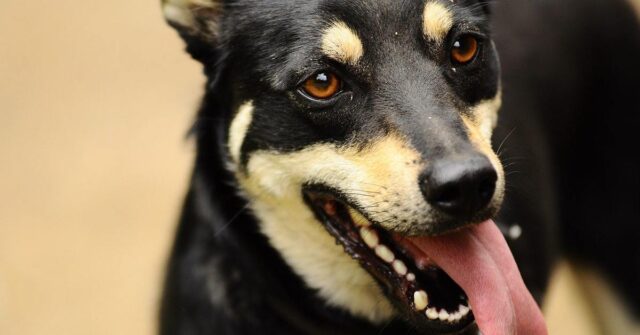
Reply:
x=363, y=191
x=360, y=194
x=505, y=140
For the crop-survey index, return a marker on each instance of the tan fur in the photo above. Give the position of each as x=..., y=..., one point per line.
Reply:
x=369, y=177
x=342, y=44
x=437, y=21
x=314, y=255
x=485, y=115
x=381, y=179
x=238, y=130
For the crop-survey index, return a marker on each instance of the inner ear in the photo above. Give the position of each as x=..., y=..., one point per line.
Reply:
x=197, y=21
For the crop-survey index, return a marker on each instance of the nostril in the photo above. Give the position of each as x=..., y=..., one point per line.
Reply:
x=446, y=195
x=486, y=188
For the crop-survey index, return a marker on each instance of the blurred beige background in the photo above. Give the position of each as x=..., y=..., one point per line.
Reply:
x=95, y=101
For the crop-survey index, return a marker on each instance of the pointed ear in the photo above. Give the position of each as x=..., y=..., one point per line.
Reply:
x=197, y=22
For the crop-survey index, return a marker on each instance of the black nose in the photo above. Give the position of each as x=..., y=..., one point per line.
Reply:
x=460, y=186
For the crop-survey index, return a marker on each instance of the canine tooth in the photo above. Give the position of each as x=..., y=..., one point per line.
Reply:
x=464, y=310
x=432, y=313
x=443, y=315
x=411, y=276
x=457, y=316
x=369, y=236
x=400, y=268
x=420, y=300
x=384, y=253
x=358, y=219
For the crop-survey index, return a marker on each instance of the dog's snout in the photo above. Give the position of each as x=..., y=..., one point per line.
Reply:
x=460, y=186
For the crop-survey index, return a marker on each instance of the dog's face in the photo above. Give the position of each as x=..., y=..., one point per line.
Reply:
x=361, y=122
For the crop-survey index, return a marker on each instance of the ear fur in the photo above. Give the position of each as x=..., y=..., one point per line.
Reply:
x=197, y=22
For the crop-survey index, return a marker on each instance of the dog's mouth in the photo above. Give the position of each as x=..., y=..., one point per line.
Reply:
x=434, y=281
x=417, y=286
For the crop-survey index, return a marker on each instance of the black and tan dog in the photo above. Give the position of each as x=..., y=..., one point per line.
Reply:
x=345, y=179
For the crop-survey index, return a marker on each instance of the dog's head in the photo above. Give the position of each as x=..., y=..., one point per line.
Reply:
x=363, y=122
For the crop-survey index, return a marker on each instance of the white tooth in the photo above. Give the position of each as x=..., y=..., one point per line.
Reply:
x=420, y=300
x=358, y=219
x=411, y=276
x=443, y=315
x=457, y=316
x=432, y=313
x=369, y=236
x=400, y=268
x=464, y=310
x=384, y=253
x=452, y=318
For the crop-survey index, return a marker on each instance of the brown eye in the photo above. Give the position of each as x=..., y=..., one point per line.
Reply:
x=322, y=85
x=464, y=50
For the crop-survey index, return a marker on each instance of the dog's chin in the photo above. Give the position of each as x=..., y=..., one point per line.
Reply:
x=425, y=296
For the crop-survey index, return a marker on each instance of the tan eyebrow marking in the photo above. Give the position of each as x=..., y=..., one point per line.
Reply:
x=342, y=44
x=437, y=21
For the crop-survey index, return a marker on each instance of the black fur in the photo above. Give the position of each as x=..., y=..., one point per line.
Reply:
x=568, y=122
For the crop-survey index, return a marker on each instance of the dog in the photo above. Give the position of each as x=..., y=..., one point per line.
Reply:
x=402, y=167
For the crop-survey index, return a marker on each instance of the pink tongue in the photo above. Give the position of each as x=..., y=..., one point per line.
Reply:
x=479, y=260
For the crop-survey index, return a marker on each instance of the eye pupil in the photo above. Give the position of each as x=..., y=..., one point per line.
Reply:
x=322, y=85
x=464, y=50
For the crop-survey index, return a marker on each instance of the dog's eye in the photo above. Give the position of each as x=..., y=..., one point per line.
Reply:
x=464, y=50
x=322, y=85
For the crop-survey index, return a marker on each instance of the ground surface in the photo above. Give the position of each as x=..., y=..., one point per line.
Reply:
x=95, y=100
